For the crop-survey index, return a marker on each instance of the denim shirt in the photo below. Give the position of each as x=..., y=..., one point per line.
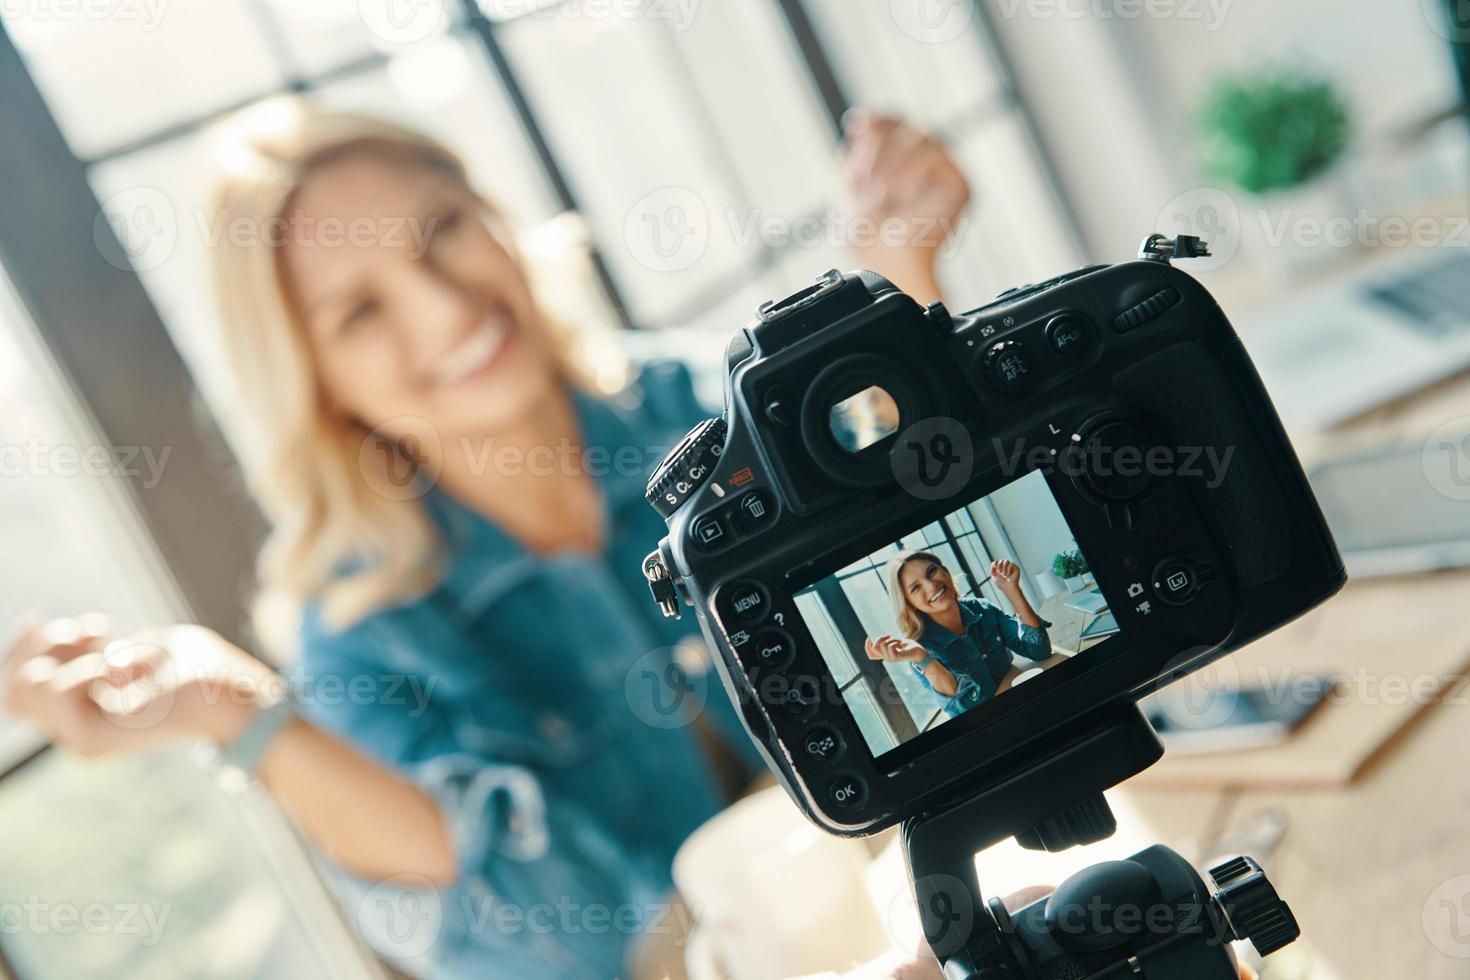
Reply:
x=539, y=704
x=980, y=657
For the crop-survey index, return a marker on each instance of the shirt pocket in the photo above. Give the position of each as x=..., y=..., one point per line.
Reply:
x=561, y=653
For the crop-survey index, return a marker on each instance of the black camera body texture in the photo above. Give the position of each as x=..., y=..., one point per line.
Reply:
x=1207, y=539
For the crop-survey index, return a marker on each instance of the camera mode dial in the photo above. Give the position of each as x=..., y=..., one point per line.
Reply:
x=686, y=467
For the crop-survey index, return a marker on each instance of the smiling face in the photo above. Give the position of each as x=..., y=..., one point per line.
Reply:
x=411, y=307
x=927, y=586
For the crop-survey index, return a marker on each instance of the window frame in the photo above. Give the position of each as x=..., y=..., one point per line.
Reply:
x=211, y=558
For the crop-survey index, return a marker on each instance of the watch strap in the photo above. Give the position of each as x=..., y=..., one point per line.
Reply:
x=246, y=751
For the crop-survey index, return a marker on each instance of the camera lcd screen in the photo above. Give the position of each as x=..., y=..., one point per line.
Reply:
x=956, y=613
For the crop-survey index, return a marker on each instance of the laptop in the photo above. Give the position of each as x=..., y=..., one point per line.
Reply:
x=1337, y=352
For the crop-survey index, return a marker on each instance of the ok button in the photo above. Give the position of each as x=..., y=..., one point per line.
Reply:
x=847, y=792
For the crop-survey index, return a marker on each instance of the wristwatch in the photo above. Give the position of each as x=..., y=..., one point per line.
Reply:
x=246, y=751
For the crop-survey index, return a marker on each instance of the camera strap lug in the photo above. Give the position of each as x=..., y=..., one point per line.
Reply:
x=1161, y=248
x=661, y=584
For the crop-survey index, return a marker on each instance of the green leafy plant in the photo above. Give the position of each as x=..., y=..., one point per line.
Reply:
x=1266, y=132
x=1069, y=564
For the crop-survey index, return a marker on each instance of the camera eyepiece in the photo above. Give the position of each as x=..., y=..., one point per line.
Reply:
x=851, y=414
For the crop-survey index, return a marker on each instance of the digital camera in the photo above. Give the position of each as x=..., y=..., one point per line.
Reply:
x=939, y=553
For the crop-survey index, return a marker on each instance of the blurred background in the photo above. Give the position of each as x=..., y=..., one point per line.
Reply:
x=677, y=162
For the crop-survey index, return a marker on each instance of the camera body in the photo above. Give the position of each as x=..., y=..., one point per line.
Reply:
x=1110, y=413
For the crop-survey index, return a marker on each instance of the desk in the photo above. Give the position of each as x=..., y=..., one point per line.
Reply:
x=1068, y=623
x=1359, y=864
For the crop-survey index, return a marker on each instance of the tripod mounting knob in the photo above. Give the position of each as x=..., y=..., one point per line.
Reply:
x=1252, y=908
x=1084, y=823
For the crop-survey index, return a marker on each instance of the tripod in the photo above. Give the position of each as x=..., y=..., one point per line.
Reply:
x=1151, y=915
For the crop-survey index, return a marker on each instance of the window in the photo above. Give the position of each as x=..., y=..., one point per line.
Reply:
x=720, y=186
x=102, y=880
x=700, y=151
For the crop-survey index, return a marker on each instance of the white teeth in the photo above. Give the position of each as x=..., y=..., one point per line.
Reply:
x=472, y=353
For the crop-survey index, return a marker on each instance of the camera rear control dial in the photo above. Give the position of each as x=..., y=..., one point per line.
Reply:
x=1113, y=458
x=1114, y=469
x=686, y=467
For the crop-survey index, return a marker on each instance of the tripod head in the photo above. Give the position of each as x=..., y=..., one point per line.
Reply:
x=1151, y=914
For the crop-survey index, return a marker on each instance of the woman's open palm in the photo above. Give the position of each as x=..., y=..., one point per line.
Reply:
x=893, y=649
x=98, y=695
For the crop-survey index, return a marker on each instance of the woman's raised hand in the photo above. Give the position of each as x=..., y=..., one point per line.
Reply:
x=893, y=649
x=97, y=695
x=906, y=193
x=1007, y=575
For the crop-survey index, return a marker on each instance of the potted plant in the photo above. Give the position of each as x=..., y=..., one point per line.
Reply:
x=1276, y=135
x=1070, y=567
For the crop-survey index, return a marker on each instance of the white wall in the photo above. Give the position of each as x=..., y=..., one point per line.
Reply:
x=1385, y=55
x=1031, y=520
x=1116, y=97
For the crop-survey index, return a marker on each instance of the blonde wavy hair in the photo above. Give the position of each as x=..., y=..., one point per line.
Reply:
x=333, y=538
x=911, y=622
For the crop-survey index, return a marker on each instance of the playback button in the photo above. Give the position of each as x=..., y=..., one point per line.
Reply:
x=709, y=532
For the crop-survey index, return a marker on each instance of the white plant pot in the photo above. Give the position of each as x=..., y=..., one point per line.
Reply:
x=1049, y=584
x=1077, y=583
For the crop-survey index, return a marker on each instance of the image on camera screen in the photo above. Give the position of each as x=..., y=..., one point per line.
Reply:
x=957, y=612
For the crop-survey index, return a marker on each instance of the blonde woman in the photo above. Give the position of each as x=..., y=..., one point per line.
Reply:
x=960, y=647
x=482, y=696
